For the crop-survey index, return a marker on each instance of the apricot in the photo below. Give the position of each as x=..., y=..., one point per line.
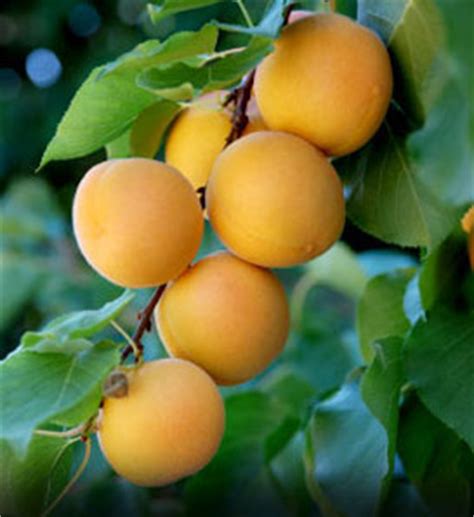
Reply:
x=168, y=426
x=138, y=222
x=275, y=200
x=328, y=80
x=467, y=224
x=199, y=134
x=227, y=316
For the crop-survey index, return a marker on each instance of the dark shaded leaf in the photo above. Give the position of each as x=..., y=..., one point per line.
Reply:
x=439, y=362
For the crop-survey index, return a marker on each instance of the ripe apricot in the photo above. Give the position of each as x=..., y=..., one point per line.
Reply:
x=137, y=222
x=329, y=80
x=226, y=315
x=275, y=200
x=468, y=226
x=167, y=427
x=199, y=134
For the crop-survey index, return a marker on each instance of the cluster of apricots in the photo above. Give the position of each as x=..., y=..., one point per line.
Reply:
x=272, y=197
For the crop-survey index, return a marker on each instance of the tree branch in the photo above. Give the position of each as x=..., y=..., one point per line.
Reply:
x=145, y=317
x=240, y=97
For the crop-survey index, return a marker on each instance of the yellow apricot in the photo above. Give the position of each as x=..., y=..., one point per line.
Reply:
x=225, y=315
x=275, y=200
x=196, y=138
x=467, y=224
x=167, y=427
x=329, y=80
x=137, y=221
x=199, y=134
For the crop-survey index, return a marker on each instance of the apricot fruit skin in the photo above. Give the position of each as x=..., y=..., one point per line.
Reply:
x=329, y=80
x=138, y=222
x=275, y=200
x=199, y=134
x=167, y=427
x=227, y=316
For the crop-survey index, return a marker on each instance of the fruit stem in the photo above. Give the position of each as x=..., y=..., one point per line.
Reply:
x=245, y=13
x=75, y=431
x=136, y=351
x=72, y=481
x=145, y=316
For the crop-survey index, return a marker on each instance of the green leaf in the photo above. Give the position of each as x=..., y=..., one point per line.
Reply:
x=167, y=8
x=403, y=499
x=288, y=475
x=37, y=387
x=220, y=71
x=149, y=128
x=380, y=312
x=323, y=359
x=387, y=198
x=290, y=389
x=71, y=328
x=29, y=484
x=338, y=268
x=109, y=101
x=145, y=136
x=269, y=26
x=380, y=388
x=120, y=147
x=180, y=46
x=443, y=150
x=440, y=364
x=413, y=31
x=432, y=457
x=443, y=271
x=347, y=7
x=238, y=481
x=346, y=457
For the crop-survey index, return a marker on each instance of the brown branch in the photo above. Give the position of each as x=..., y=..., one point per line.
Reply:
x=286, y=15
x=240, y=98
x=201, y=193
x=145, y=317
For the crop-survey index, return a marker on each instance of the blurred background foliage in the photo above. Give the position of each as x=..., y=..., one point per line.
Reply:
x=47, y=49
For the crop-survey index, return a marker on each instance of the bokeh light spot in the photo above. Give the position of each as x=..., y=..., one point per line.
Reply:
x=84, y=20
x=43, y=67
